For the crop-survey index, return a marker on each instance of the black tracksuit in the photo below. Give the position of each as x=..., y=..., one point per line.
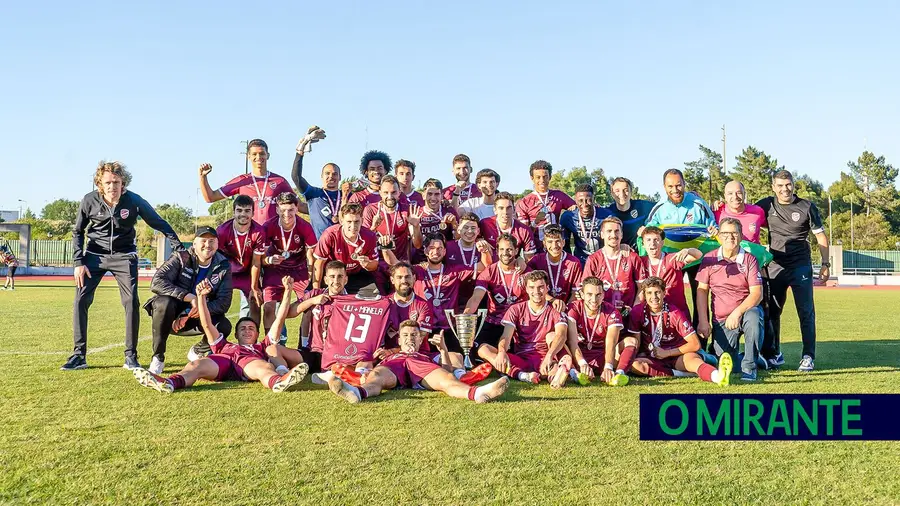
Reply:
x=111, y=247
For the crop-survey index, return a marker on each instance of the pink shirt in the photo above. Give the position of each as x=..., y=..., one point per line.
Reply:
x=564, y=276
x=729, y=281
x=333, y=246
x=753, y=219
x=668, y=329
x=420, y=311
x=671, y=271
x=413, y=198
x=533, y=328
x=490, y=231
x=294, y=241
x=260, y=189
x=465, y=192
x=364, y=197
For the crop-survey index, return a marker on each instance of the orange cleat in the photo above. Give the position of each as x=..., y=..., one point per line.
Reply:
x=477, y=374
x=347, y=374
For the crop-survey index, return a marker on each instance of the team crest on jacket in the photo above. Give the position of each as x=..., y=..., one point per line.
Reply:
x=634, y=213
x=753, y=227
x=499, y=298
x=689, y=217
x=215, y=278
x=124, y=213
x=413, y=315
x=273, y=185
x=795, y=216
x=296, y=238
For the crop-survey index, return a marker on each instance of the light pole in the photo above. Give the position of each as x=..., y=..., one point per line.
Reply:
x=246, y=159
x=20, y=208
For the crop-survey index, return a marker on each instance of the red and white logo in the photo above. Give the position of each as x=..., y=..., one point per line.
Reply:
x=795, y=216
x=297, y=238
x=273, y=185
x=124, y=213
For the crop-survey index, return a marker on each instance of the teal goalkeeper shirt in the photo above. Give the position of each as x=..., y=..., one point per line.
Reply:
x=691, y=211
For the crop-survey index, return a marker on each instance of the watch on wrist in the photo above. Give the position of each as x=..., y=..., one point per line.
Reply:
x=826, y=264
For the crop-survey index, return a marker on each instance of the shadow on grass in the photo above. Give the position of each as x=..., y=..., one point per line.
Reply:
x=846, y=356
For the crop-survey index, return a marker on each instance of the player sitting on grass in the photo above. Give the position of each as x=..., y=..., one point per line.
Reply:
x=594, y=327
x=247, y=360
x=668, y=343
x=410, y=369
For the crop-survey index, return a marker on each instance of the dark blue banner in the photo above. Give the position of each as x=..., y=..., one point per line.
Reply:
x=782, y=417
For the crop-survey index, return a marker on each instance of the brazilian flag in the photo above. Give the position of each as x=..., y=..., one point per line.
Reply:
x=679, y=237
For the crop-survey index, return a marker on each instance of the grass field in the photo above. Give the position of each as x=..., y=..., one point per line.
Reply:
x=96, y=437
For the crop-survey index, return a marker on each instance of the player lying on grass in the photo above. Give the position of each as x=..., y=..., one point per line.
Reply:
x=246, y=360
x=594, y=327
x=410, y=369
x=540, y=332
x=668, y=343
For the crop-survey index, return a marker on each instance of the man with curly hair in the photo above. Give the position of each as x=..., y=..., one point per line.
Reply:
x=373, y=166
x=107, y=217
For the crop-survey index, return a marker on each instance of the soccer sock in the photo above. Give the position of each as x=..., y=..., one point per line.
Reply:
x=282, y=370
x=362, y=393
x=522, y=376
x=472, y=392
x=514, y=371
x=627, y=358
x=274, y=379
x=459, y=373
x=706, y=372
x=177, y=381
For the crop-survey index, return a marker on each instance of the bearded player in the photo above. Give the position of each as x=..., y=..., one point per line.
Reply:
x=389, y=218
x=439, y=283
x=350, y=244
x=668, y=343
x=470, y=252
x=619, y=270
x=248, y=360
x=594, y=328
x=504, y=222
x=373, y=166
x=667, y=266
x=410, y=369
x=539, y=331
x=563, y=269
x=242, y=241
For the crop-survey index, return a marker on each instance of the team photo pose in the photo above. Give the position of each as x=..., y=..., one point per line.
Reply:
x=593, y=334
x=373, y=166
x=617, y=267
x=542, y=206
x=351, y=244
x=487, y=181
x=504, y=222
x=667, y=266
x=563, y=269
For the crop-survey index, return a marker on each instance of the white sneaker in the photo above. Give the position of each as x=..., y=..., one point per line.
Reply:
x=806, y=364
x=156, y=366
x=321, y=378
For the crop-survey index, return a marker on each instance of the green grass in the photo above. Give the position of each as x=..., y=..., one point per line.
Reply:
x=95, y=436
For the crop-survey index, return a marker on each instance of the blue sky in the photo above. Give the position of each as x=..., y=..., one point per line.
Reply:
x=632, y=87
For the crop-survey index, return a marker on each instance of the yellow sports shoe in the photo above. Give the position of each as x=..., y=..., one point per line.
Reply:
x=619, y=380
x=725, y=366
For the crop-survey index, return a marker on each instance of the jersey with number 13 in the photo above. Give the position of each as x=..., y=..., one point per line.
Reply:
x=355, y=329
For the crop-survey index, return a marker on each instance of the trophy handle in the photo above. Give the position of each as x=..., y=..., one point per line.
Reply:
x=483, y=314
x=452, y=321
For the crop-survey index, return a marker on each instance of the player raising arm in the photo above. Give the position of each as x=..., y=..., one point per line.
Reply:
x=248, y=360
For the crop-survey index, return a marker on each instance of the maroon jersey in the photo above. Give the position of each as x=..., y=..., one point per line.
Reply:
x=355, y=329
x=292, y=243
x=666, y=330
x=364, y=197
x=457, y=254
x=412, y=198
x=564, y=275
x=334, y=246
x=503, y=290
x=532, y=327
x=431, y=221
x=262, y=190
x=620, y=276
x=418, y=310
x=553, y=203
x=491, y=231
x=465, y=192
x=440, y=289
x=395, y=224
x=239, y=353
x=240, y=248
x=592, y=330
x=669, y=269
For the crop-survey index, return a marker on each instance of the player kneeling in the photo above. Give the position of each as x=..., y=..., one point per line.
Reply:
x=247, y=360
x=410, y=369
x=668, y=343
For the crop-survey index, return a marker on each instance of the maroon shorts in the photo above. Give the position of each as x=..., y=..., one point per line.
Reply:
x=596, y=358
x=410, y=370
x=274, y=290
x=228, y=370
x=659, y=363
x=529, y=361
x=241, y=281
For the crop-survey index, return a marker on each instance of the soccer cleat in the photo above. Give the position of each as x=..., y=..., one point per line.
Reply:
x=321, y=378
x=776, y=361
x=197, y=352
x=131, y=363
x=292, y=379
x=156, y=366
x=346, y=374
x=74, y=363
x=619, y=380
x=807, y=364
x=748, y=376
x=492, y=390
x=530, y=377
x=560, y=376
x=477, y=374
x=584, y=379
x=342, y=389
x=150, y=380
x=725, y=367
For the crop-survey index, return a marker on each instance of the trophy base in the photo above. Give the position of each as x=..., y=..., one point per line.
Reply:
x=467, y=362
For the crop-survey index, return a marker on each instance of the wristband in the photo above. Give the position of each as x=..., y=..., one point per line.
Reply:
x=608, y=367
x=582, y=362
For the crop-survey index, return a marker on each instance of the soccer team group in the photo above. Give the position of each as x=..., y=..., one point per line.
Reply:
x=380, y=270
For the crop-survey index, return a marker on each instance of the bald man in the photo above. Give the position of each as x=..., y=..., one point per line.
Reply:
x=752, y=217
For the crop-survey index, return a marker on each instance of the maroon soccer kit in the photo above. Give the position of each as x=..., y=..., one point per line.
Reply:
x=417, y=310
x=564, y=275
x=667, y=330
x=232, y=357
x=531, y=332
x=240, y=249
x=619, y=275
x=409, y=368
x=670, y=270
x=490, y=231
x=592, y=330
x=262, y=190
x=552, y=203
x=293, y=244
x=355, y=329
x=503, y=289
x=440, y=289
x=466, y=192
x=364, y=197
x=394, y=224
x=334, y=246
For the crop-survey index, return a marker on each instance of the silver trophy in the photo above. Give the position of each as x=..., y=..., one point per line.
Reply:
x=463, y=327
